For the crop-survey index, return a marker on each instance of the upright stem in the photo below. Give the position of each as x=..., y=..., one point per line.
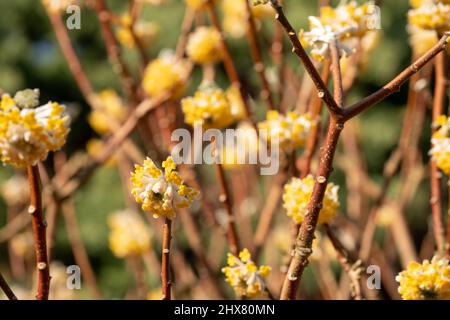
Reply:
x=258, y=63
x=225, y=198
x=39, y=230
x=165, y=264
x=436, y=192
x=6, y=288
x=305, y=237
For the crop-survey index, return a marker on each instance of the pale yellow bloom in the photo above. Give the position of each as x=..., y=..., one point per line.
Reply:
x=164, y=75
x=429, y=280
x=28, y=132
x=430, y=14
x=440, y=145
x=289, y=131
x=145, y=32
x=161, y=193
x=16, y=190
x=245, y=277
x=110, y=108
x=129, y=235
x=211, y=107
x=58, y=6
x=297, y=195
x=204, y=45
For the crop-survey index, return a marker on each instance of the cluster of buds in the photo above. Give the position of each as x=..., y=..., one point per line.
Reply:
x=297, y=195
x=160, y=193
x=204, y=45
x=429, y=280
x=440, y=142
x=29, y=131
x=245, y=277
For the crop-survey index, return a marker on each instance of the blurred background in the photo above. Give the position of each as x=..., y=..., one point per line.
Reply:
x=31, y=58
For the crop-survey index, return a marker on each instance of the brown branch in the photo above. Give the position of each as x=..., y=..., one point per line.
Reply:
x=395, y=84
x=298, y=49
x=351, y=267
x=165, y=269
x=435, y=175
x=258, y=63
x=39, y=230
x=6, y=288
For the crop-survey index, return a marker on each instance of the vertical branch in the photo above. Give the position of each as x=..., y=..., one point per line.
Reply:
x=165, y=270
x=435, y=176
x=305, y=237
x=39, y=230
x=6, y=288
x=230, y=68
x=258, y=63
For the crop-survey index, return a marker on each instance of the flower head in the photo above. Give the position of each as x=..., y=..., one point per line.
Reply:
x=244, y=276
x=164, y=75
x=429, y=280
x=110, y=107
x=297, y=194
x=196, y=4
x=129, y=235
x=440, y=142
x=28, y=132
x=430, y=14
x=160, y=193
x=343, y=24
x=212, y=107
x=16, y=191
x=290, y=130
x=204, y=45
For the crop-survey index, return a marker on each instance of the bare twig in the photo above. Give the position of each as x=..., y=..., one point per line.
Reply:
x=6, y=288
x=165, y=269
x=39, y=230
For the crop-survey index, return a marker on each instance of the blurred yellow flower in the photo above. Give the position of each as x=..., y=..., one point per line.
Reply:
x=289, y=131
x=211, y=107
x=425, y=281
x=145, y=31
x=110, y=107
x=129, y=235
x=16, y=190
x=430, y=14
x=245, y=277
x=164, y=75
x=29, y=132
x=297, y=194
x=204, y=45
x=160, y=193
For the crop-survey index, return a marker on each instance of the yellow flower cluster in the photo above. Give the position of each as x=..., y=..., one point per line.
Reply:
x=110, y=107
x=145, y=31
x=129, y=235
x=344, y=24
x=15, y=191
x=245, y=277
x=29, y=132
x=164, y=75
x=235, y=16
x=289, y=131
x=160, y=193
x=425, y=281
x=237, y=149
x=440, y=145
x=297, y=194
x=204, y=45
x=212, y=107
x=430, y=14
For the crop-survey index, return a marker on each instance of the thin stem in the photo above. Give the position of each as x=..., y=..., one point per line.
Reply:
x=436, y=192
x=395, y=84
x=230, y=68
x=298, y=49
x=258, y=63
x=165, y=264
x=39, y=230
x=225, y=198
x=305, y=237
x=6, y=288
